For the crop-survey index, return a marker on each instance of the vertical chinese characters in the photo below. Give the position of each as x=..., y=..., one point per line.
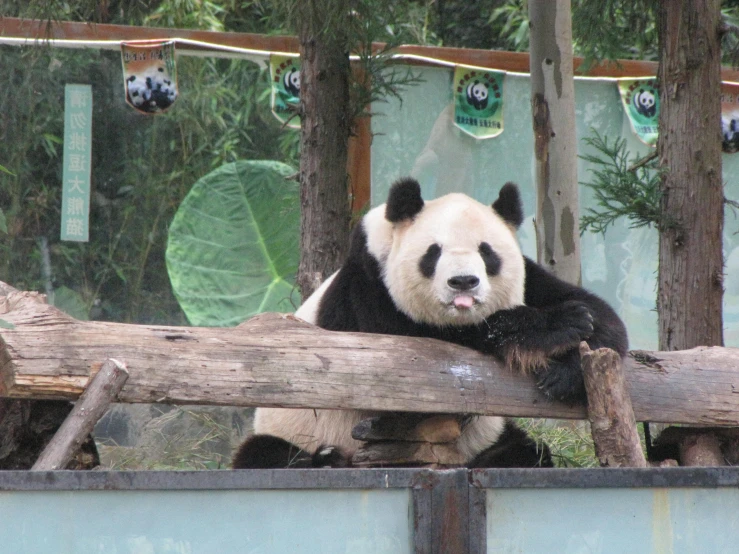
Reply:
x=76, y=163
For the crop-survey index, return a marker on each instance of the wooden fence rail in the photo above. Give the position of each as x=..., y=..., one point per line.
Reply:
x=278, y=360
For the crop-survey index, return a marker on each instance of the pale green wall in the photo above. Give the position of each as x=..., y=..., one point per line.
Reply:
x=622, y=269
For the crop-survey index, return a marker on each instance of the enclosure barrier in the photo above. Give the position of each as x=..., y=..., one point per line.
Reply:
x=609, y=511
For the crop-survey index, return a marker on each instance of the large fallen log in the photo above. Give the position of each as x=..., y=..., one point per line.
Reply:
x=278, y=360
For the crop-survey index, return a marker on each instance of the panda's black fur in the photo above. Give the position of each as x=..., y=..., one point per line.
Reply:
x=554, y=318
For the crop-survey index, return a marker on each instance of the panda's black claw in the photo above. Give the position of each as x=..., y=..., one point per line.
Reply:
x=574, y=320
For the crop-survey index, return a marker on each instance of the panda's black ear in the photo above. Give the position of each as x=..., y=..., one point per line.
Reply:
x=404, y=200
x=508, y=205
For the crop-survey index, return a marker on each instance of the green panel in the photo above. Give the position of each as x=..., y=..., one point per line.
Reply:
x=613, y=521
x=205, y=522
x=416, y=138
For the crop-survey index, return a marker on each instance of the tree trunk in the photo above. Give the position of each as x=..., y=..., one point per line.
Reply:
x=324, y=137
x=555, y=140
x=690, y=286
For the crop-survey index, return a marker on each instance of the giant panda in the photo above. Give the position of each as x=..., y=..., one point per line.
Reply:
x=477, y=95
x=645, y=103
x=449, y=269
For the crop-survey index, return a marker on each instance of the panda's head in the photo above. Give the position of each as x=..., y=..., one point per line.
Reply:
x=477, y=95
x=644, y=102
x=137, y=90
x=451, y=261
x=291, y=82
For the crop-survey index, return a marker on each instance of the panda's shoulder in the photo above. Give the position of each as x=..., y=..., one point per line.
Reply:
x=353, y=298
x=543, y=288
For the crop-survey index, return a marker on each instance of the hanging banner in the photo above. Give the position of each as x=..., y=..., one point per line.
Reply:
x=478, y=101
x=729, y=117
x=640, y=98
x=150, y=75
x=76, y=161
x=285, y=74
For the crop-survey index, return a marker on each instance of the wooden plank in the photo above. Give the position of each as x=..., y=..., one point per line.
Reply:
x=609, y=409
x=69, y=30
x=278, y=360
x=497, y=59
x=103, y=389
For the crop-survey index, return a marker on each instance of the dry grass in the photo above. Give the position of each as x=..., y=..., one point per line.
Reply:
x=179, y=439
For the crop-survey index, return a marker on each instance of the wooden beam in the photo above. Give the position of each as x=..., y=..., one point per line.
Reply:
x=279, y=360
x=68, y=30
x=496, y=59
x=611, y=416
x=91, y=406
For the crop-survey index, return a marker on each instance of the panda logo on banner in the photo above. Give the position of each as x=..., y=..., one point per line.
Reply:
x=478, y=101
x=285, y=73
x=150, y=75
x=640, y=99
x=730, y=117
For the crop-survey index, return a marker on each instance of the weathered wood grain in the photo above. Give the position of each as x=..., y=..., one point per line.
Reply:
x=278, y=360
x=87, y=411
x=610, y=413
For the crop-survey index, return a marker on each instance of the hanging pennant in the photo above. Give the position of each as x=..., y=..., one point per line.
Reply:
x=150, y=75
x=478, y=101
x=729, y=117
x=640, y=98
x=285, y=74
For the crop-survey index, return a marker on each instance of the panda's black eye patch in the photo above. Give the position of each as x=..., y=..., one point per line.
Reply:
x=427, y=265
x=491, y=259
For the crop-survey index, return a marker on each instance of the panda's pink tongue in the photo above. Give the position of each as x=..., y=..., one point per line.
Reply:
x=463, y=301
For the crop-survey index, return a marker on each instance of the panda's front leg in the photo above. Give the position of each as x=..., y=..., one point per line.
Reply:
x=542, y=341
x=526, y=336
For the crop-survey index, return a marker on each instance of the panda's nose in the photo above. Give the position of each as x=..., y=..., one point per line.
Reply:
x=463, y=282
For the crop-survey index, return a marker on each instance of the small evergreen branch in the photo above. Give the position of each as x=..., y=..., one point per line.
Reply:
x=622, y=187
x=377, y=77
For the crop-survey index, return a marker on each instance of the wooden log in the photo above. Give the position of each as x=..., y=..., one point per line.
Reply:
x=92, y=404
x=397, y=453
x=278, y=360
x=698, y=446
x=611, y=416
x=27, y=426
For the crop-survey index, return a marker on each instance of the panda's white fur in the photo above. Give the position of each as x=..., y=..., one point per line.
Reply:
x=460, y=224
x=448, y=269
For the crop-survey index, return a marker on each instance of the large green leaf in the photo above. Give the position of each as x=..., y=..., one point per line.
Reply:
x=72, y=303
x=233, y=244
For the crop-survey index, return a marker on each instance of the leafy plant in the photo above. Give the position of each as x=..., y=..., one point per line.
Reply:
x=623, y=187
x=233, y=244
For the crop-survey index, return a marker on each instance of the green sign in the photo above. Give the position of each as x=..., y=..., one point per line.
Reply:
x=478, y=101
x=285, y=74
x=76, y=162
x=640, y=98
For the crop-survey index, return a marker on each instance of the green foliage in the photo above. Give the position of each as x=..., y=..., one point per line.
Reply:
x=622, y=187
x=143, y=166
x=571, y=444
x=512, y=21
x=233, y=244
x=71, y=303
x=190, y=14
x=614, y=29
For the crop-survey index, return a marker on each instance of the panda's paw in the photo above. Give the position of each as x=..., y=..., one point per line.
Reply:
x=562, y=380
x=331, y=456
x=569, y=323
